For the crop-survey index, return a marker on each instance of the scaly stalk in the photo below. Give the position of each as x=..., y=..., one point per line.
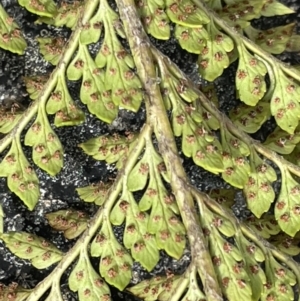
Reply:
x=157, y=116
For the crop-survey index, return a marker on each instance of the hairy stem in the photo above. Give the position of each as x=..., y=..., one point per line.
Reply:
x=140, y=48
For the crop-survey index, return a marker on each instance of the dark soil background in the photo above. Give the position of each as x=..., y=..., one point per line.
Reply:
x=79, y=170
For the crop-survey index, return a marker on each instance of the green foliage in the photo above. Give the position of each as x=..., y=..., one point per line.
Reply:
x=18, y=292
x=116, y=263
x=138, y=234
x=8, y=120
x=283, y=105
x=96, y=193
x=282, y=142
x=273, y=40
x=275, y=8
x=45, y=8
x=157, y=286
x=10, y=34
x=250, y=118
x=112, y=149
x=72, y=222
x=232, y=275
x=258, y=189
x=286, y=209
x=47, y=150
x=51, y=49
x=251, y=78
x=66, y=14
x=151, y=198
x=28, y=246
x=86, y=280
x=62, y=105
x=21, y=177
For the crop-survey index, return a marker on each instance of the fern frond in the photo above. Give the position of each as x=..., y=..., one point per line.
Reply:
x=151, y=197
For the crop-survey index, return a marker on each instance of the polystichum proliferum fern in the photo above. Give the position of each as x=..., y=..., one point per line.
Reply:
x=230, y=259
